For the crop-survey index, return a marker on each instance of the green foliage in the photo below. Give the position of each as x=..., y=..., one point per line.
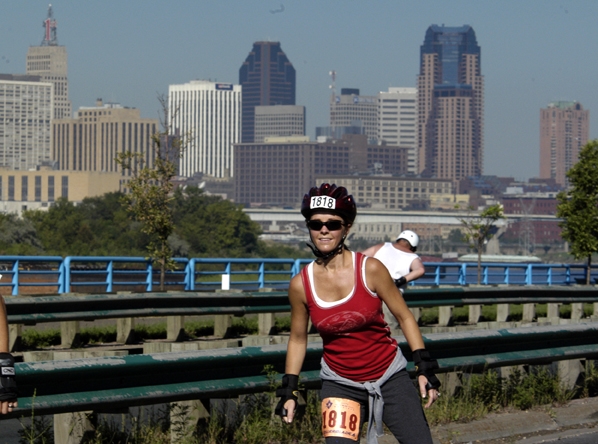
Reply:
x=37, y=430
x=578, y=206
x=456, y=236
x=32, y=339
x=489, y=392
x=18, y=237
x=590, y=380
x=214, y=227
x=98, y=226
x=480, y=228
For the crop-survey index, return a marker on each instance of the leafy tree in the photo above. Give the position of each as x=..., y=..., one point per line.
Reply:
x=456, y=236
x=18, y=237
x=62, y=228
x=151, y=191
x=578, y=206
x=479, y=229
x=98, y=226
x=212, y=226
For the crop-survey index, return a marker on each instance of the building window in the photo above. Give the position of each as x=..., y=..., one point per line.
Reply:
x=24, y=188
x=11, y=188
x=50, y=188
x=65, y=187
x=38, y=188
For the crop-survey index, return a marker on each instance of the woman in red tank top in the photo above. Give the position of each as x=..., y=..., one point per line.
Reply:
x=363, y=369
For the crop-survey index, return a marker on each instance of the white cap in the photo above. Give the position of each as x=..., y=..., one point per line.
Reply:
x=410, y=237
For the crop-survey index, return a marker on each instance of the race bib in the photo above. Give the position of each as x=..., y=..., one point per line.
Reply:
x=326, y=202
x=340, y=418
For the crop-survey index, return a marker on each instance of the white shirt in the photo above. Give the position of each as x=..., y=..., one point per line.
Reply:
x=396, y=261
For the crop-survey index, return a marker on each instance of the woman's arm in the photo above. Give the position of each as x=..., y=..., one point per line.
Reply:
x=8, y=387
x=297, y=346
x=3, y=328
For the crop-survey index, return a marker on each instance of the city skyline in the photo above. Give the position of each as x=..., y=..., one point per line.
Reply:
x=534, y=53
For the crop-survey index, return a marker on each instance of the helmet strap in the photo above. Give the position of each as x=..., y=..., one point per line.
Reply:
x=324, y=256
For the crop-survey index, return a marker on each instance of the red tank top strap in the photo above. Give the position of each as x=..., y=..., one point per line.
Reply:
x=359, y=259
x=306, y=285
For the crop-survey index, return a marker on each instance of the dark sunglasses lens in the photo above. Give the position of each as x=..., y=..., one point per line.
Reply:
x=334, y=225
x=317, y=225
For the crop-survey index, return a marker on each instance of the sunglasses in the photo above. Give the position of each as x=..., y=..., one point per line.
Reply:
x=332, y=225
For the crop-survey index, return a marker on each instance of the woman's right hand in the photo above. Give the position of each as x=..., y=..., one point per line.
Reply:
x=290, y=406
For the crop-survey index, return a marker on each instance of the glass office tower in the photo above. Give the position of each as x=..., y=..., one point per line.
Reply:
x=450, y=104
x=267, y=78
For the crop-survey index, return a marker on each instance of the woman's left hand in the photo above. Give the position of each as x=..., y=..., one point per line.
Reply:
x=432, y=394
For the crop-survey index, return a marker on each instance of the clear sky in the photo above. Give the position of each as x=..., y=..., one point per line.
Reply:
x=128, y=51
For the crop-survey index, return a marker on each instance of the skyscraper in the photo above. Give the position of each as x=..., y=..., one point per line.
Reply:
x=49, y=61
x=267, y=78
x=564, y=130
x=450, y=98
x=208, y=116
x=25, y=122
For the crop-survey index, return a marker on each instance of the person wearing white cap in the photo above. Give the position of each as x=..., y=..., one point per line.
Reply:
x=399, y=257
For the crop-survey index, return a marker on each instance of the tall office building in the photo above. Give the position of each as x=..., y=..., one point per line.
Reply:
x=279, y=121
x=351, y=109
x=267, y=78
x=49, y=61
x=564, y=130
x=208, y=116
x=450, y=100
x=25, y=122
x=397, y=121
x=94, y=138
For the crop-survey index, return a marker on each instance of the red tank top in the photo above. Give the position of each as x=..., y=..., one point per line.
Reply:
x=356, y=339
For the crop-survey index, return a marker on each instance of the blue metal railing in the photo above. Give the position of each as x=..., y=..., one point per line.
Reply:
x=115, y=272
x=57, y=275
x=35, y=270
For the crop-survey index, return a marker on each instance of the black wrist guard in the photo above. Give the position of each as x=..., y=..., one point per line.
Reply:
x=400, y=281
x=8, y=384
x=425, y=365
x=289, y=390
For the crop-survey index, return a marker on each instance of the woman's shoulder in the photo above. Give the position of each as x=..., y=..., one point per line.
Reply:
x=373, y=265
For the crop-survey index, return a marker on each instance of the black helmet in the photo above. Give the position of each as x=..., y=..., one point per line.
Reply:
x=330, y=198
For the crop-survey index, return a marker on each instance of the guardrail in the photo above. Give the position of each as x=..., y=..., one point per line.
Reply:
x=30, y=310
x=52, y=387
x=40, y=309
x=94, y=274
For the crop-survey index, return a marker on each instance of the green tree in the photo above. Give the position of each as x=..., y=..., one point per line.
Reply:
x=212, y=226
x=578, y=206
x=480, y=228
x=62, y=228
x=97, y=226
x=150, y=190
x=18, y=237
